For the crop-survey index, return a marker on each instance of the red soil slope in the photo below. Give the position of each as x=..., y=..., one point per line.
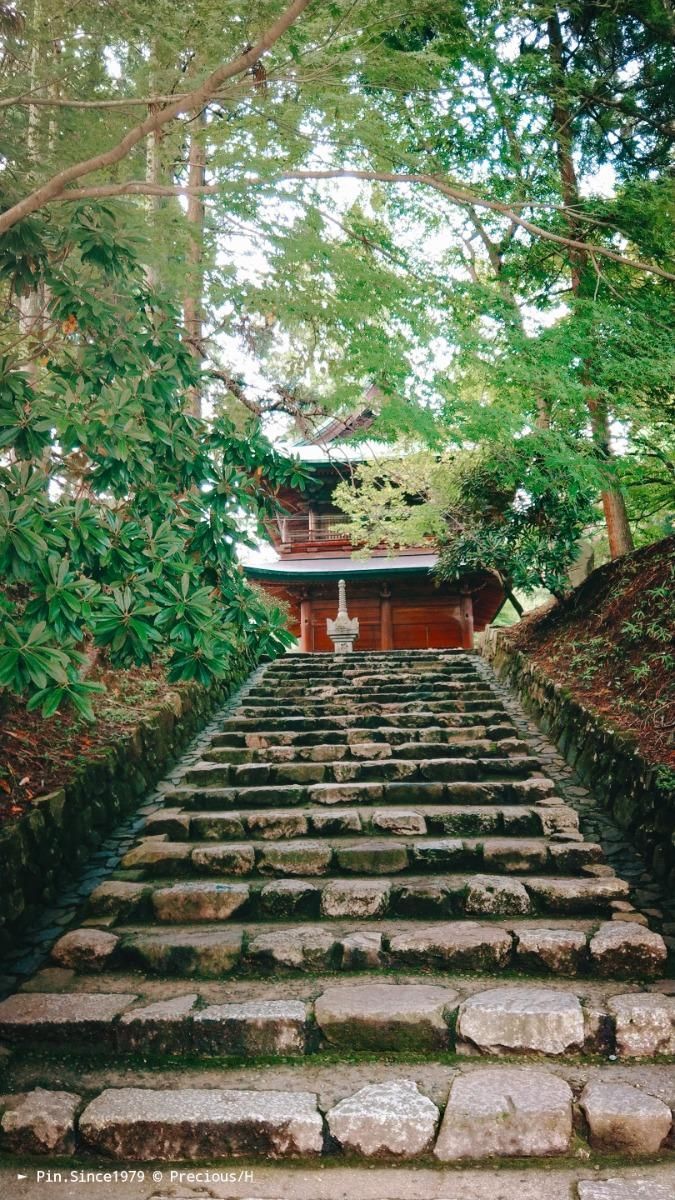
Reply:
x=612, y=644
x=38, y=755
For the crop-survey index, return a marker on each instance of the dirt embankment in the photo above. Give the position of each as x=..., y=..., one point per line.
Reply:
x=612, y=644
x=38, y=755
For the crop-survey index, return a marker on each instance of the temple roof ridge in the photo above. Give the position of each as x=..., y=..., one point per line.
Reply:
x=330, y=441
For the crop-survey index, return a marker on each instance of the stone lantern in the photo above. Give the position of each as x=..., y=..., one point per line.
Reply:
x=344, y=630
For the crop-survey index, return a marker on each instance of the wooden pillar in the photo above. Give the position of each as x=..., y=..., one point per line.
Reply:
x=306, y=622
x=466, y=618
x=386, y=620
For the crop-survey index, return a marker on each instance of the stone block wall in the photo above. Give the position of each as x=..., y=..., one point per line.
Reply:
x=605, y=759
x=52, y=842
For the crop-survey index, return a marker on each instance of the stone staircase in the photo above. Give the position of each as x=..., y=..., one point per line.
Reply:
x=364, y=925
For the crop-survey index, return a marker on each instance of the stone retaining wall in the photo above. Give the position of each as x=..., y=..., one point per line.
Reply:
x=53, y=841
x=605, y=760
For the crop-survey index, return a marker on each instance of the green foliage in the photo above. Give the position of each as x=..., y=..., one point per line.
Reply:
x=518, y=510
x=120, y=512
x=499, y=357
x=521, y=511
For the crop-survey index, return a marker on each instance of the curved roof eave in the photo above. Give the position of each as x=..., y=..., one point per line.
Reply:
x=330, y=568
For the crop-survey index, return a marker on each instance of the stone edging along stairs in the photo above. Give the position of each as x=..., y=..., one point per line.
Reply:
x=364, y=924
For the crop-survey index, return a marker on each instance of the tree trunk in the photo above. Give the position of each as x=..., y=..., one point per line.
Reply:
x=30, y=322
x=614, y=507
x=153, y=167
x=613, y=502
x=514, y=601
x=193, y=312
x=616, y=518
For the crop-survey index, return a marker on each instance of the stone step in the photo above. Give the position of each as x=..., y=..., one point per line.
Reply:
x=378, y=667
x=378, y=663
x=462, y=702
x=469, y=701
x=363, y=665
x=383, y=855
x=358, y=751
x=358, y=668
x=234, y=739
x=469, y=821
x=326, y=684
x=368, y=685
x=383, y=670
x=370, y=678
x=284, y=850
x=481, y=1113
x=620, y=949
x=519, y=1020
x=171, y=900
x=380, y=721
x=535, y=789
x=365, y=897
x=138, y=1124
x=365, y=874
x=379, y=693
x=379, y=771
x=325, y=658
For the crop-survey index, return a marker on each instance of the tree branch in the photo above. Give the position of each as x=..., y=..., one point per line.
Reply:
x=30, y=100
x=666, y=128
x=458, y=195
x=285, y=401
x=190, y=101
x=235, y=388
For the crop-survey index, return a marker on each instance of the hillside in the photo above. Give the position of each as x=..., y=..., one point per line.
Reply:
x=612, y=644
x=39, y=754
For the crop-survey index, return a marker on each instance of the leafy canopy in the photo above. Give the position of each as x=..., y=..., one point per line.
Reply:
x=522, y=367
x=518, y=510
x=120, y=512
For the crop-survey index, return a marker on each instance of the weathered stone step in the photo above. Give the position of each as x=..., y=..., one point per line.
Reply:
x=375, y=660
x=138, y=1124
x=620, y=949
x=367, y=678
x=364, y=897
x=359, y=703
x=366, y=683
x=380, y=721
x=366, y=865
x=358, y=751
x=324, y=686
x=333, y=701
x=519, y=1020
x=379, y=771
x=235, y=739
x=468, y=701
x=469, y=821
x=383, y=855
x=536, y=789
x=360, y=664
x=378, y=693
x=383, y=675
x=482, y=1113
x=325, y=659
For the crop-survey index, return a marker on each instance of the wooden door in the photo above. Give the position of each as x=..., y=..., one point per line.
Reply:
x=430, y=626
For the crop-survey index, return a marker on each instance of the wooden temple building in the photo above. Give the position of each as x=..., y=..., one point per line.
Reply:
x=399, y=603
